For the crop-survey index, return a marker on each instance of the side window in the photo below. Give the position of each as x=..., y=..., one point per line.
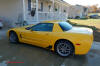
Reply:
x=43, y=27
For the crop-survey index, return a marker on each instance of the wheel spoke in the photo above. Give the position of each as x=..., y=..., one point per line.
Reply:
x=63, y=49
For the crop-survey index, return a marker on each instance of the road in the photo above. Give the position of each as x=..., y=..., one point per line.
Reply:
x=35, y=56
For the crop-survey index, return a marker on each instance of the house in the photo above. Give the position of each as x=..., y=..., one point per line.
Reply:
x=77, y=11
x=19, y=12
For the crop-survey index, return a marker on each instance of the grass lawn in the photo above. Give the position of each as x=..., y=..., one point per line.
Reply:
x=90, y=23
x=94, y=13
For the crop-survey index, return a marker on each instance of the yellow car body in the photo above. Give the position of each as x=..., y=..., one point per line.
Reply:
x=82, y=41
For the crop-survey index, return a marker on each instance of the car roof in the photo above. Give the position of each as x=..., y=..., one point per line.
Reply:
x=52, y=21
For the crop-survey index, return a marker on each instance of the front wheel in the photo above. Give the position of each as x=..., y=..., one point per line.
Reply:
x=13, y=38
x=64, y=48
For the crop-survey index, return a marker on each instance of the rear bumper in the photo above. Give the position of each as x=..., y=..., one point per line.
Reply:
x=85, y=46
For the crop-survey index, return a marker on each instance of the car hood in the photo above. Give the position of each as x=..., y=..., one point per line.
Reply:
x=81, y=30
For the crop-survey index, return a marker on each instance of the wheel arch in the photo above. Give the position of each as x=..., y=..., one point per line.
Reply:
x=65, y=40
x=11, y=32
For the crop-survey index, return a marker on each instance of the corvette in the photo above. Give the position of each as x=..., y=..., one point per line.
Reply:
x=58, y=36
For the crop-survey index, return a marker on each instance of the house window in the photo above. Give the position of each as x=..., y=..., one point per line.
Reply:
x=49, y=7
x=29, y=5
x=85, y=9
x=56, y=7
x=41, y=6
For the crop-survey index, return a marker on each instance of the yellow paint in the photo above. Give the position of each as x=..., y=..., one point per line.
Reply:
x=45, y=39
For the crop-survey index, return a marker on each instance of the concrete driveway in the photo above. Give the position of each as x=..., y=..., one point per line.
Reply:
x=34, y=56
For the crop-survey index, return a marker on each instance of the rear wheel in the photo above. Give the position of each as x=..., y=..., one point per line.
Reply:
x=64, y=48
x=13, y=38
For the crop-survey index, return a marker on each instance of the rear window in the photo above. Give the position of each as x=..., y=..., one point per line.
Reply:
x=43, y=27
x=65, y=26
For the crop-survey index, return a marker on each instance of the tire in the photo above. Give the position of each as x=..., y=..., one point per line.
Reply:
x=13, y=38
x=64, y=48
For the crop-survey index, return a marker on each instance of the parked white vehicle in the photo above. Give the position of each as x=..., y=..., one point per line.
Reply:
x=1, y=24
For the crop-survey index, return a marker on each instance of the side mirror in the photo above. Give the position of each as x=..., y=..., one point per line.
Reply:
x=28, y=28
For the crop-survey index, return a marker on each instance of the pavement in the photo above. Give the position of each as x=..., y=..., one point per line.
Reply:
x=35, y=56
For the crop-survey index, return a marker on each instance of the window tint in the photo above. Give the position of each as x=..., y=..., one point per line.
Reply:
x=43, y=27
x=65, y=26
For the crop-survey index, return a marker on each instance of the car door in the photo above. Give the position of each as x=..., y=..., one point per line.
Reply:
x=39, y=35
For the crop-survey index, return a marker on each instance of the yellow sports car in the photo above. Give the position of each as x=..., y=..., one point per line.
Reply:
x=58, y=36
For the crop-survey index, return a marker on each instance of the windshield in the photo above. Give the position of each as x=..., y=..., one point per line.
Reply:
x=65, y=26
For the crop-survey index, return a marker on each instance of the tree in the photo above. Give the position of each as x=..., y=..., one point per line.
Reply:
x=94, y=8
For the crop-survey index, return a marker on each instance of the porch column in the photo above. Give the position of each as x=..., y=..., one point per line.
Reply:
x=61, y=11
x=24, y=17
x=37, y=18
x=53, y=5
x=53, y=14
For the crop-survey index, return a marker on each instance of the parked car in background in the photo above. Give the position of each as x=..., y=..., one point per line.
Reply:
x=67, y=20
x=95, y=16
x=77, y=17
x=58, y=36
x=1, y=24
x=84, y=17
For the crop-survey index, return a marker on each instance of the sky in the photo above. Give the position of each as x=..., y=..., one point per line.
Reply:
x=83, y=2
